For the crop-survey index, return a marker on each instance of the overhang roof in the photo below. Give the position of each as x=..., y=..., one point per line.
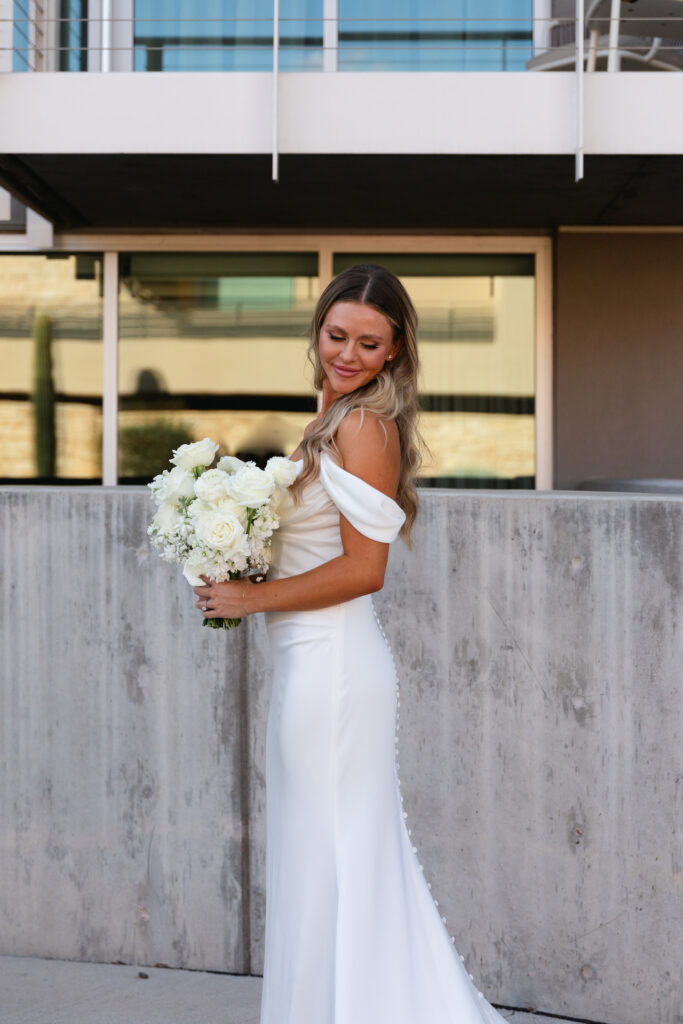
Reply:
x=358, y=192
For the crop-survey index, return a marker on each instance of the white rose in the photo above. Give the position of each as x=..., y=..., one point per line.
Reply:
x=283, y=471
x=251, y=486
x=171, y=485
x=211, y=485
x=194, y=568
x=224, y=504
x=199, y=453
x=220, y=530
x=230, y=463
x=167, y=519
x=228, y=504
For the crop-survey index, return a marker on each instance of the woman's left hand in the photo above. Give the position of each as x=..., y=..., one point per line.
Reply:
x=223, y=600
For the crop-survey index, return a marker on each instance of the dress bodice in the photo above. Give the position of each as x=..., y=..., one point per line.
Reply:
x=309, y=532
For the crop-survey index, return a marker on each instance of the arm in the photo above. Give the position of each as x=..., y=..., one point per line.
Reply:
x=373, y=456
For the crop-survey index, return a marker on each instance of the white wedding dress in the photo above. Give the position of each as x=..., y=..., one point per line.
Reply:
x=353, y=935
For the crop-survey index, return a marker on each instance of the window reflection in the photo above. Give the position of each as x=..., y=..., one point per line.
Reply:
x=371, y=35
x=51, y=358
x=226, y=35
x=213, y=345
x=435, y=35
x=477, y=352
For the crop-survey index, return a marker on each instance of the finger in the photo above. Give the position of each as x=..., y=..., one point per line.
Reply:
x=202, y=591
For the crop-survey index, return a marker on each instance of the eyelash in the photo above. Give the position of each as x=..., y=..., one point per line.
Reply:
x=337, y=337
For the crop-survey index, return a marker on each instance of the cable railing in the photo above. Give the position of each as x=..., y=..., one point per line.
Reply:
x=340, y=41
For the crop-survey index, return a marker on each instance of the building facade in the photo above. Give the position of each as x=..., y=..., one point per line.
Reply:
x=182, y=179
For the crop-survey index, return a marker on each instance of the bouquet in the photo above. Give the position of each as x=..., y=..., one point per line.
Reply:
x=218, y=522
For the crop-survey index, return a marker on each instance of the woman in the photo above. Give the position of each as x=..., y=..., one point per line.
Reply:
x=353, y=935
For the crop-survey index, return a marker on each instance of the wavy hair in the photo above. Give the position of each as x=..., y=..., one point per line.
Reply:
x=391, y=395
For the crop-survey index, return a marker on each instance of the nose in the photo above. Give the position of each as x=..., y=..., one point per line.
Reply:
x=347, y=353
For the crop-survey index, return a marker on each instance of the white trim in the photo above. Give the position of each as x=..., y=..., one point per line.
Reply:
x=275, y=93
x=614, y=54
x=542, y=15
x=543, y=403
x=5, y=205
x=325, y=264
x=272, y=241
x=635, y=229
x=106, y=36
x=37, y=237
x=110, y=368
x=330, y=35
x=578, y=163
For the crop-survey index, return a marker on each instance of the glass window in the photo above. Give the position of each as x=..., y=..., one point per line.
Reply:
x=21, y=36
x=73, y=35
x=435, y=35
x=226, y=35
x=213, y=345
x=51, y=358
x=477, y=350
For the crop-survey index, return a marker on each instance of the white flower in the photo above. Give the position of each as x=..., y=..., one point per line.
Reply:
x=251, y=486
x=194, y=568
x=230, y=463
x=199, y=453
x=222, y=531
x=211, y=485
x=283, y=471
x=168, y=519
x=224, y=504
x=171, y=485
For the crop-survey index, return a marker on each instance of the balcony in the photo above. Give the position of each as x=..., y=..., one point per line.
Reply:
x=207, y=99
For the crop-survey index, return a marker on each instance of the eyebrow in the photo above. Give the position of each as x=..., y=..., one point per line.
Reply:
x=361, y=337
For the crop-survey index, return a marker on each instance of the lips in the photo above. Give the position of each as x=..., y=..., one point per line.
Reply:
x=344, y=372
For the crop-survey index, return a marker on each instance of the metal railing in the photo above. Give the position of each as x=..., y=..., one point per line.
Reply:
x=33, y=40
x=599, y=37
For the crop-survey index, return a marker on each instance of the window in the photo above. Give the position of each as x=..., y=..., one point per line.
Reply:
x=51, y=358
x=213, y=345
x=477, y=351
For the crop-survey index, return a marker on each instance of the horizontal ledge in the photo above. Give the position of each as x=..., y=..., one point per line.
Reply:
x=432, y=112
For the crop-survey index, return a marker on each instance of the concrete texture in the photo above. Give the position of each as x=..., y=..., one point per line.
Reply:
x=34, y=991
x=539, y=646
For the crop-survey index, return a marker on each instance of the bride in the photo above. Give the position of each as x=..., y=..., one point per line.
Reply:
x=353, y=935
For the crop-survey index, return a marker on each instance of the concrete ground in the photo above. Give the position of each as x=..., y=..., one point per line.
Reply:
x=35, y=991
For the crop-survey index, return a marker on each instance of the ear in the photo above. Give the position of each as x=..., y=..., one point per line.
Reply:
x=396, y=348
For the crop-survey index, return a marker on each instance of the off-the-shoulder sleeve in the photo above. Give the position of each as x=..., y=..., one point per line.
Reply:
x=368, y=510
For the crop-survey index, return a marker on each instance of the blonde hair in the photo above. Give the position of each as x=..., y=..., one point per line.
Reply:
x=391, y=395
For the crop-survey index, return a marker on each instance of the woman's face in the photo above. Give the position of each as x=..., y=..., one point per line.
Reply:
x=355, y=342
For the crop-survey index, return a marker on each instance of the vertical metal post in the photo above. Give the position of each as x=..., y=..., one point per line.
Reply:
x=578, y=166
x=330, y=35
x=106, y=35
x=542, y=16
x=110, y=383
x=276, y=68
x=613, y=55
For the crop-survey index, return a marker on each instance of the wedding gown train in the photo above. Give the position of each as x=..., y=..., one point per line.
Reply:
x=353, y=935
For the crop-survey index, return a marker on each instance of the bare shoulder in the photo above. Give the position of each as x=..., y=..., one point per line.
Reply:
x=370, y=449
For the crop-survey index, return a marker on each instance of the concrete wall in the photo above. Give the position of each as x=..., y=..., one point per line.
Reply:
x=539, y=645
x=618, y=356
